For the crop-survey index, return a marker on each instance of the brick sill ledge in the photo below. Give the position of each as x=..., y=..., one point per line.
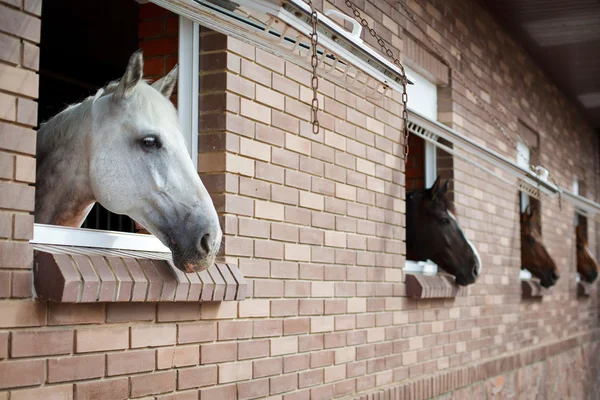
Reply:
x=69, y=274
x=421, y=286
x=585, y=289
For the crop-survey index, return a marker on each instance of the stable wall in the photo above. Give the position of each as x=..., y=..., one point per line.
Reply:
x=316, y=225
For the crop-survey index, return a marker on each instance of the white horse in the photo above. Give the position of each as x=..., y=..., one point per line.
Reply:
x=123, y=148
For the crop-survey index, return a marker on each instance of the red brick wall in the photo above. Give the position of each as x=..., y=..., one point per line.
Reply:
x=316, y=225
x=415, y=169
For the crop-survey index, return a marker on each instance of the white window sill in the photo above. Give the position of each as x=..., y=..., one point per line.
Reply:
x=79, y=237
x=421, y=267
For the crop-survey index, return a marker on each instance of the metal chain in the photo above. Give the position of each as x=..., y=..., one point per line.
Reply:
x=477, y=98
x=390, y=54
x=314, y=62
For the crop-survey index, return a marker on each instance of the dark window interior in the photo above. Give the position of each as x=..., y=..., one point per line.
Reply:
x=85, y=44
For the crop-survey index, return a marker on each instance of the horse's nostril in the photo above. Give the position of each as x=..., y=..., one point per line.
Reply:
x=205, y=243
x=555, y=276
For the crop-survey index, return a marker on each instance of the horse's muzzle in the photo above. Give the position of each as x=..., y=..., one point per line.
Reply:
x=196, y=252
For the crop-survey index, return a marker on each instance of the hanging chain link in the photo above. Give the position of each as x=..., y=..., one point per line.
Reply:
x=397, y=62
x=314, y=62
x=477, y=98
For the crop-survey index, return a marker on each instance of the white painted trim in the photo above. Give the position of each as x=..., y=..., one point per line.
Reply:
x=430, y=164
x=421, y=267
x=525, y=275
x=80, y=237
x=294, y=13
x=469, y=146
x=188, y=90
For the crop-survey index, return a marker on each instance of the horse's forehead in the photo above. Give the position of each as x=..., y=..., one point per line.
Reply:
x=148, y=106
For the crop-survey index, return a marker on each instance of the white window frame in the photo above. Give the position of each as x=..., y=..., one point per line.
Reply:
x=423, y=99
x=523, y=161
x=187, y=106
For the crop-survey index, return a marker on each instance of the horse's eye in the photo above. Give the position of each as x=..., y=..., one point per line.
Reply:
x=531, y=239
x=150, y=141
x=445, y=221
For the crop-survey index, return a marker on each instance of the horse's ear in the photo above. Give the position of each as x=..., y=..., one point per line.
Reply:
x=438, y=189
x=166, y=84
x=133, y=76
x=434, y=189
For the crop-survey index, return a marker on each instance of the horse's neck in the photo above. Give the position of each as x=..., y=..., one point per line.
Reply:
x=63, y=194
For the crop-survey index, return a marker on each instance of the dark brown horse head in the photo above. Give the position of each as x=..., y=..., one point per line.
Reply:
x=534, y=256
x=587, y=266
x=433, y=233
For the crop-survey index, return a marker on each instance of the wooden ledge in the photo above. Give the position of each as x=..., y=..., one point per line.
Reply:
x=66, y=274
x=584, y=289
x=432, y=287
x=532, y=289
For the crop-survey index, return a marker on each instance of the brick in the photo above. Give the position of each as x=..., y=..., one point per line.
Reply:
x=284, y=383
x=10, y=49
x=296, y=326
x=286, y=345
x=22, y=314
x=256, y=73
x=254, y=308
x=284, y=308
x=197, y=377
x=16, y=255
x=41, y=343
x=312, y=200
x=8, y=110
x=130, y=362
x=268, y=288
x=269, y=97
x=219, y=352
x=253, y=389
x=130, y=312
x=268, y=210
x=253, y=349
x=187, y=395
x=228, y=392
x=21, y=373
x=60, y=392
x=180, y=356
x=75, y=368
x=255, y=111
x=16, y=138
x=3, y=345
x=297, y=252
x=255, y=188
x=20, y=24
x=310, y=378
x=27, y=112
x=23, y=227
x=284, y=194
x=5, y=284
x=152, y=336
x=155, y=383
x=229, y=330
x=267, y=367
x=101, y=339
x=19, y=81
x=233, y=372
x=197, y=332
x=168, y=312
x=254, y=149
x=321, y=324
x=284, y=270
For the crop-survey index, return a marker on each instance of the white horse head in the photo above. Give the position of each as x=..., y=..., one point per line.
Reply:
x=124, y=149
